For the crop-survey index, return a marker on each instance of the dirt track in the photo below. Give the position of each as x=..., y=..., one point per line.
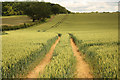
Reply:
x=82, y=68
x=35, y=73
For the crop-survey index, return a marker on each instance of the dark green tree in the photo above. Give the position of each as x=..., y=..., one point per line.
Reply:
x=36, y=10
x=55, y=9
x=11, y=8
x=43, y=11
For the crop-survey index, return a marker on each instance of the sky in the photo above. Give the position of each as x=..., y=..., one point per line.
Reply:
x=86, y=5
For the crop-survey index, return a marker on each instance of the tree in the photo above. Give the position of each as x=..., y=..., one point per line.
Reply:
x=55, y=9
x=43, y=10
x=36, y=10
x=96, y=12
x=29, y=9
x=11, y=8
x=69, y=12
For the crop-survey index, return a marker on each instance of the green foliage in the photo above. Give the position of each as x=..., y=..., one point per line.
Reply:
x=11, y=8
x=3, y=33
x=69, y=12
x=63, y=62
x=35, y=10
x=25, y=25
x=56, y=9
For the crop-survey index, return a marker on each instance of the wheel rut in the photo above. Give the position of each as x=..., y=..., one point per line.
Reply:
x=45, y=61
x=82, y=68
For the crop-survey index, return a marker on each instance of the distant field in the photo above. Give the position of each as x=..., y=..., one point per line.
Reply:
x=15, y=20
x=47, y=26
x=88, y=22
x=96, y=36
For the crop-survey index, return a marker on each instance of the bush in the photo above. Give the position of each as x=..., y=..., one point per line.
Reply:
x=25, y=25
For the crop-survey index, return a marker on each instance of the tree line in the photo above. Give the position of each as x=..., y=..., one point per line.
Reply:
x=35, y=10
x=11, y=8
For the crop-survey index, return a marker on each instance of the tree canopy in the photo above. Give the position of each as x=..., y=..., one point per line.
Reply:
x=35, y=10
x=11, y=8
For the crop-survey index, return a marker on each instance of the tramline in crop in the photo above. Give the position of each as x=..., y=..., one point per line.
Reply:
x=101, y=52
x=20, y=50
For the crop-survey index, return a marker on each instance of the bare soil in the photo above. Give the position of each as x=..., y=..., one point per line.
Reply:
x=51, y=18
x=40, y=68
x=82, y=68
